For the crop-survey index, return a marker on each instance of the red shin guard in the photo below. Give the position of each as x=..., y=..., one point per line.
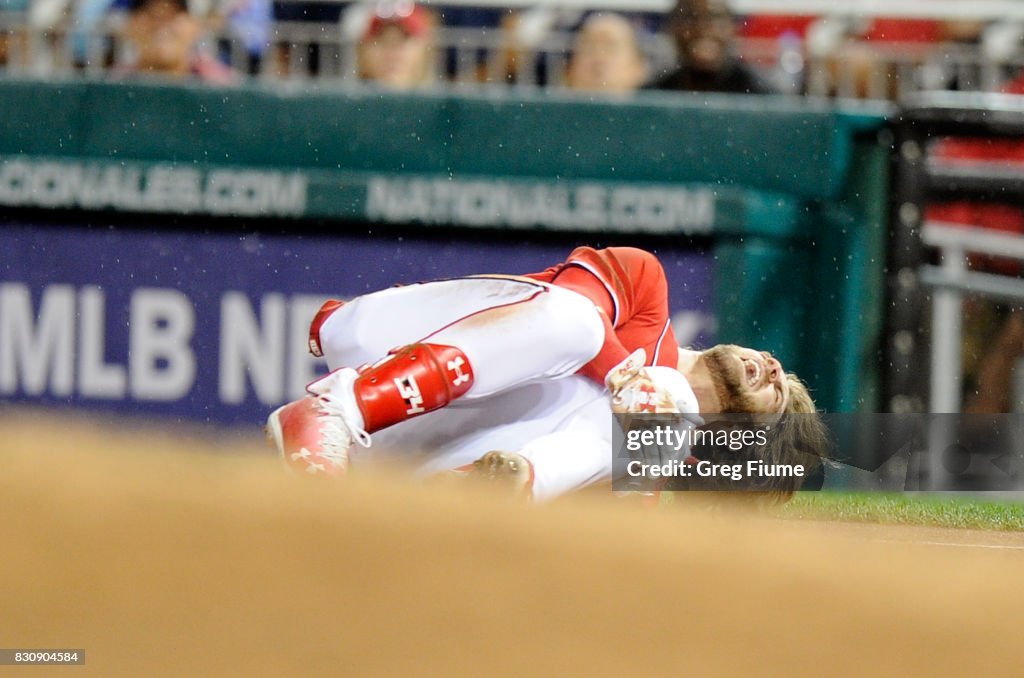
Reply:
x=412, y=380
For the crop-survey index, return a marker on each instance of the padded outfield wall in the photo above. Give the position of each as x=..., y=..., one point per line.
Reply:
x=162, y=248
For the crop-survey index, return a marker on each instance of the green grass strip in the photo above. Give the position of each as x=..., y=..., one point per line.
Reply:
x=901, y=509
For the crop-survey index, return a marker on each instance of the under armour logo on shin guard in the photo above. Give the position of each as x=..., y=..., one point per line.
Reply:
x=412, y=380
x=456, y=367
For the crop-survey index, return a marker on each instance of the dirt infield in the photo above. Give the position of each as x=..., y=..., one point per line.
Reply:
x=162, y=563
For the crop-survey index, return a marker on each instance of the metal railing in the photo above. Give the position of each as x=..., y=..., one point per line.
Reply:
x=910, y=9
x=952, y=281
x=917, y=181
x=300, y=50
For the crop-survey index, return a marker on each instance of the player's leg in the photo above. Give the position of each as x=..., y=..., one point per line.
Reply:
x=487, y=335
x=368, y=327
x=466, y=338
x=510, y=331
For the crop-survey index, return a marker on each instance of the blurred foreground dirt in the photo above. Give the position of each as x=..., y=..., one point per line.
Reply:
x=162, y=563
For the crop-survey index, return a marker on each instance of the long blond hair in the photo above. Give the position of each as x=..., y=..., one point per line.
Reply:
x=801, y=437
x=797, y=436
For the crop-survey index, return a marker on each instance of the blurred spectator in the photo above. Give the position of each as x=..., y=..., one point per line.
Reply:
x=606, y=56
x=875, y=58
x=397, y=48
x=522, y=58
x=12, y=34
x=248, y=24
x=704, y=32
x=166, y=41
x=89, y=47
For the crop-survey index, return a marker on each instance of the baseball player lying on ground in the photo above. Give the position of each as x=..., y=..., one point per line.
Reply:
x=516, y=375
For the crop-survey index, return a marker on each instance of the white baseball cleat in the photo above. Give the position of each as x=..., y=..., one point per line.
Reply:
x=315, y=433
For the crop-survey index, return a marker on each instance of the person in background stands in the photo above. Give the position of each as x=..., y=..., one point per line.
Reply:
x=165, y=41
x=248, y=27
x=606, y=56
x=397, y=48
x=704, y=32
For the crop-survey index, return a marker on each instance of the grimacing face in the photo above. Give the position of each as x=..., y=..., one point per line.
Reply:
x=747, y=380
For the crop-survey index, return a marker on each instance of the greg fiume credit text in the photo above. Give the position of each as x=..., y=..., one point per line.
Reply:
x=668, y=437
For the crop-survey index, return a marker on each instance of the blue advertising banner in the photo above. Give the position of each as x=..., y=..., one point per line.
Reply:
x=213, y=326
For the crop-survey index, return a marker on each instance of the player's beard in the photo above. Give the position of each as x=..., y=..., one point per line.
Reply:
x=727, y=378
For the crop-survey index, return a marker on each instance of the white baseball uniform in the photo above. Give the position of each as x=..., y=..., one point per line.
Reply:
x=527, y=341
